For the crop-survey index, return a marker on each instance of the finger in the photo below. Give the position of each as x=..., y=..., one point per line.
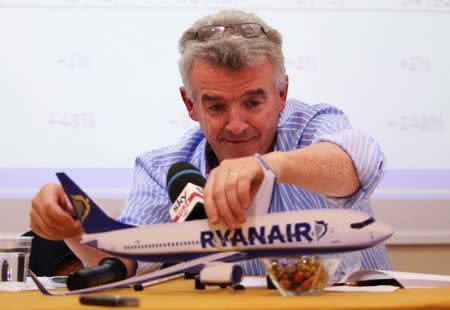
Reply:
x=220, y=198
x=65, y=202
x=56, y=231
x=48, y=216
x=36, y=225
x=210, y=207
x=60, y=219
x=232, y=196
x=65, y=213
x=249, y=184
x=255, y=184
x=40, y=226
x=243, y=192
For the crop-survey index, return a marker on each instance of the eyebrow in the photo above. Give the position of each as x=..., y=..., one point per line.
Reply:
x=251, y=93
x=255, y=93
x=209, y=98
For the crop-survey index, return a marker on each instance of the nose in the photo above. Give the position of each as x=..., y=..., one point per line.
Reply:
x=237, y=123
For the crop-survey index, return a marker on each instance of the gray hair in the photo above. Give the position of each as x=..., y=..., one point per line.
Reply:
x=231, y=51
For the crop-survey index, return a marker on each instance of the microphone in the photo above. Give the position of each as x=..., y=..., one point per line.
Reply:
x=185, y=187
x=110, y=269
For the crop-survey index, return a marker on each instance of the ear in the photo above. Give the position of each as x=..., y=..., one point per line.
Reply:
x=283, y=92
x=188, y=103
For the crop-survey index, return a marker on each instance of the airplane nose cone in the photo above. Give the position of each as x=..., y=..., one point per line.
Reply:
x=381, y=231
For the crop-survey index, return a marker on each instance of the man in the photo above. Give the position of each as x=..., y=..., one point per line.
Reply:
x=236, y=88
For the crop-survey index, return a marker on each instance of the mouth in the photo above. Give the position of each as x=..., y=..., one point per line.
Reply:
x=238, y=142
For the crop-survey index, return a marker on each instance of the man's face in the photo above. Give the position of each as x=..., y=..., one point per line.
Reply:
x=238, y=111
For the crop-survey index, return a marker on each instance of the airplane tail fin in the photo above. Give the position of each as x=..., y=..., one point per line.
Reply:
x=92, y=218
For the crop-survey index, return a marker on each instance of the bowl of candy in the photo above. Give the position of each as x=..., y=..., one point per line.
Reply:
x=305, y=275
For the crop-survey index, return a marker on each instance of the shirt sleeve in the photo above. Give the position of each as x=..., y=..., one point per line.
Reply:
x=148, y=202
x=365, y=152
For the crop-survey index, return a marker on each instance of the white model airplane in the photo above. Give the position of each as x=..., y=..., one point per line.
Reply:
x=200, y=247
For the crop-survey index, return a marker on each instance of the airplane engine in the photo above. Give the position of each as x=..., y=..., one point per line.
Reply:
x=219, y=273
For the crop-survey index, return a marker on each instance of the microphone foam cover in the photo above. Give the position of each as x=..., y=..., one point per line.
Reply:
x=179, y=175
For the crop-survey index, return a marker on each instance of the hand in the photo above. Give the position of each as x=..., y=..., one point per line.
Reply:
x=51, y=214
x=230, y=189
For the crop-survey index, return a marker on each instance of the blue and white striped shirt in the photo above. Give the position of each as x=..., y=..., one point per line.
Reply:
x=299, y=125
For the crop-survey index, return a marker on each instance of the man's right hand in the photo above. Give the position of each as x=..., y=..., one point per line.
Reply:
x=51, y=214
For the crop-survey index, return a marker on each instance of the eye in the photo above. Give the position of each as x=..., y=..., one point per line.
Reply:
x=215, y=108
x=253, y=104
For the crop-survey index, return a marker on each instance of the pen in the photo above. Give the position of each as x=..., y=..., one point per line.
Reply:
x=59, y=279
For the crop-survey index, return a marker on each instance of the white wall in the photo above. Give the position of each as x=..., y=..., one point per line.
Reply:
x=85, y=86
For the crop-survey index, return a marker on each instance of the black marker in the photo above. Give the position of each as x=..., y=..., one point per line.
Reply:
x=372, y=282
x=109, y=300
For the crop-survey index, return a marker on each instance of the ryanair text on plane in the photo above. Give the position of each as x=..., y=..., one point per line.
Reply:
x=297, y=232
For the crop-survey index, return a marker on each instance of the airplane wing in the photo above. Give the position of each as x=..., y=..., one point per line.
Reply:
x=169, y=271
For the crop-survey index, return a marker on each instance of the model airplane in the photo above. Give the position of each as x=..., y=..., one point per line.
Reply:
x=200, y=247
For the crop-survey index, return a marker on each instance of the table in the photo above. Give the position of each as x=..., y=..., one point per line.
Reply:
x=180, y=294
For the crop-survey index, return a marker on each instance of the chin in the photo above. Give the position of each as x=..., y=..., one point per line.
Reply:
x=231, y=151
x=239, y=154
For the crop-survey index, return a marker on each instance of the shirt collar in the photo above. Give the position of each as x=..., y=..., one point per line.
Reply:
x=210, y=159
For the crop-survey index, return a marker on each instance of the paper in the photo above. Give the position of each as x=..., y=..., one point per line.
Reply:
x=261, y=202
x=254, y=282
x=29, y=285
x=262, y=282
x=348, y=288
x=406, y=279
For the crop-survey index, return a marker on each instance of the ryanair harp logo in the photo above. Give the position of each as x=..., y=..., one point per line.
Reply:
x=321, y=229
x=82, y=206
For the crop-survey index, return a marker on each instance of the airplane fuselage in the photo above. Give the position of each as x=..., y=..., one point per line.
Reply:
x=274, y=234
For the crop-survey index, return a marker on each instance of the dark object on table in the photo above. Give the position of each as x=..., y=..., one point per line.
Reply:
x=110, y=269
x=51, y=258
